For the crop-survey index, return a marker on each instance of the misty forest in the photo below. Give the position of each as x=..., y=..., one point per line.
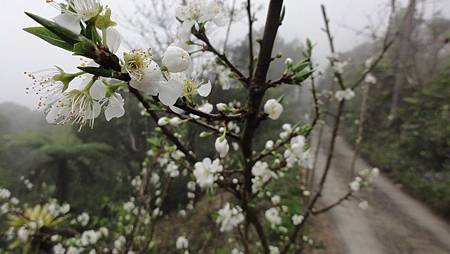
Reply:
x=173, y=135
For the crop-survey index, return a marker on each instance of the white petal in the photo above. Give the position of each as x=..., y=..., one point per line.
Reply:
x=113, y=39
x=176, y=59
x=176, y=110
x=205, y=89
x=206, y=108
x=94, y=112
x=115, y=107
x=151, y=81
x=184, y=31
x=69, y=21
x=98, y=90
x=52, y=115
x=170, y=91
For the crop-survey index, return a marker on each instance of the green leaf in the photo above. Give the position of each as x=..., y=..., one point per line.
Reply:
x=49, y=37
x=107, y=73
x=300, y=66
x=65, y=34
x=91, y=33
x=98, y=71
x=85, y=48
x=302, y=76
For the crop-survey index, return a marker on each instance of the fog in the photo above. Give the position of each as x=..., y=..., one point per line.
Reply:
x=22, y=52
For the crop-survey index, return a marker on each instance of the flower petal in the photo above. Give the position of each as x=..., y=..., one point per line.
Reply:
x=151, y=82
x=170, y=91
x=205, y=89
x=113, y=39
x=98, y=90
x=176, y=59
x=115, y=108
x=69, y=21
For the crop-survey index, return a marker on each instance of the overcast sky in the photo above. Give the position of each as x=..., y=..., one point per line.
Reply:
x=21, y=52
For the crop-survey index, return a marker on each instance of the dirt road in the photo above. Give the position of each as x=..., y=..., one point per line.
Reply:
x=394, y=223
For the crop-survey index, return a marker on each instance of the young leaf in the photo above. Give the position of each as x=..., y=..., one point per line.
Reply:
x=65, y=34
x=49, y=37
x=85, y=48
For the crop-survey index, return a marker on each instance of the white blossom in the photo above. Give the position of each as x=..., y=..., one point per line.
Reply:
x=75, y=12
x=297, y=219
x=207, y=172
x=83, y=219
x=89, y=237
x=370, y=79
x=163, y=121
x=275, y=200
x=4, y=193
x=23, y=234
x=59, y=249
x=273, y=216
x=197, y=12
x=176, y=59
x=229, y=217
x=274, y=250
x=145, y=73
x=119, y=243
x=346, y=94
x=236, y=251
x=222, y=146
x=355, y=185
x=273, y=109
x=182, y=243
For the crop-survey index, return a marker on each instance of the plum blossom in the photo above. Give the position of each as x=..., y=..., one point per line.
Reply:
x=197, y=12
x=4, y=193
x=176, y=59
x=262, y=175
x=83, y=219
x=222, y=146
x=355, y=185
x=76, y=106
x=174, y=88
x=273, y=109
x=59, y=249
x=75, y=12
x=49, y=85
x=296, y=153
x=346, y=94
x=229, y=217
x=297, y=219
x=207, y=172
x=273, y=216
x=115, y=107
x=274, y=250
x=145, y=73
x=182, y=243
x=89, y=237
x=370, y=79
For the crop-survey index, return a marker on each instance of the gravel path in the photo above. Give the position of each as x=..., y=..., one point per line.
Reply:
x=394, y=223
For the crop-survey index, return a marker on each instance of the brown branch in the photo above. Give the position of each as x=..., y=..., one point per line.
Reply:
x=209, y=47
x=332, y=59
x=250, y=40
x=189, y=156
x=207, y=126
x=347, y=196
x=257, y=89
